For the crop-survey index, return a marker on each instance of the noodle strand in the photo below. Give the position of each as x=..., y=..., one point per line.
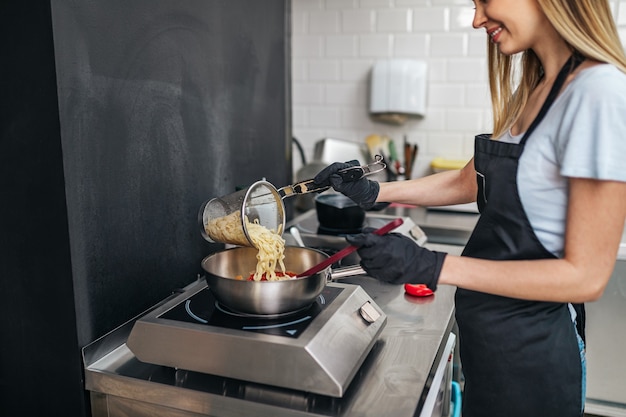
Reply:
x=270, y=245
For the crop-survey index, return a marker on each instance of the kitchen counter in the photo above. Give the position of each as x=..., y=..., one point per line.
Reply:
x=394, y=379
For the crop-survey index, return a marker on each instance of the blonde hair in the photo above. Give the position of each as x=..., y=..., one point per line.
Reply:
x=586, y=25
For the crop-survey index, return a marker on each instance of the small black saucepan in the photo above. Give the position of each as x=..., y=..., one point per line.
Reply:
x=338, y=213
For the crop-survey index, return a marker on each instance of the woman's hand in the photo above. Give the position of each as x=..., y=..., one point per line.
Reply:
x=362, y=191
x=396, y=259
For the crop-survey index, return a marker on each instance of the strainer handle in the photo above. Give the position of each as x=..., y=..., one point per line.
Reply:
x=301, y=187
x=347, y=174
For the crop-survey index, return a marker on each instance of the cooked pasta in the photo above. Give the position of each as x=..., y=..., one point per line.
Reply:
x=271, y=248
x=270, y=244
x=227, y=229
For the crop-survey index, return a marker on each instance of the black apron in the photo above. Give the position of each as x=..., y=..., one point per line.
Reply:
x=519, y=357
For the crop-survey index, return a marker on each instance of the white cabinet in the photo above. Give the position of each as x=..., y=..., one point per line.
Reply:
x=606, y=339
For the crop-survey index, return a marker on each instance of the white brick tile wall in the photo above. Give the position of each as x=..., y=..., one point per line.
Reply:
x=621, y=13
x=299, y=116
x=342, y=46
x=431, y=19
x=307, y=46
x=448, y=44
x=446, y=95
x=476, y=95
x=464, y=120
x=377, y=46
x=305, y=5
x=323, y=117
x=411, y=46
x=346, y=95
x=356, y=70
x=461, y=18
x=299, y=23
x=336, y=42
x=434, y=120
x=341, y=4
x=466, y=70
x=324, y=22
x=375, y=3
x=323, y=70
x=412, y=2
x=394, y=20
x=307, y=93
x=298, y=71
x=476, y=44
x=436, y=70
x=356, y=120
x=446, y=143
x=356, y=21
x=448, y=2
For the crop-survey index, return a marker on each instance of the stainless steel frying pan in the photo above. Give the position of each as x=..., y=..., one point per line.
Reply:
x=264, y=297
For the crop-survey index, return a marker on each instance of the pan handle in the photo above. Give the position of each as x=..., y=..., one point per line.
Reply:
x=346, y=271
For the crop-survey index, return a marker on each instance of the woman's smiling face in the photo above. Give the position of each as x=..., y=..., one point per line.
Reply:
x=513, y=25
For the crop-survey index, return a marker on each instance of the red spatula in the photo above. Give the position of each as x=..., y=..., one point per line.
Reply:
x=348, y=250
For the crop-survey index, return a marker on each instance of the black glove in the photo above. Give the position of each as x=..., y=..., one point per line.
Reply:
x=362, y=191
x=396, y=259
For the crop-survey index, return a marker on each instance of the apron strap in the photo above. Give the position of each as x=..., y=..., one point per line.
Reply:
x=572, y=63
x=567, y=68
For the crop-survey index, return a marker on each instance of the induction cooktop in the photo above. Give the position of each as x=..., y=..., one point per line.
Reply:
x=318, y=349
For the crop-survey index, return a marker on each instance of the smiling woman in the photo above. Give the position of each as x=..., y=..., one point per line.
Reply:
x=544, y=24
x=540, y=248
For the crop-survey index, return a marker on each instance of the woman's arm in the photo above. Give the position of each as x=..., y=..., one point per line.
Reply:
x=444, y=188
x=595, y=222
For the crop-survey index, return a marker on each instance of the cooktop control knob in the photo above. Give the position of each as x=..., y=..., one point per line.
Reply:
x=369, y=313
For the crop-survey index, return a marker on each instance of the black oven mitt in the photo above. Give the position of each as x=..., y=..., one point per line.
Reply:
x=361, y=191
x=396, y=259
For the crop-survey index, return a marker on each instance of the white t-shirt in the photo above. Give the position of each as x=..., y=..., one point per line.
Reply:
x=583, y=135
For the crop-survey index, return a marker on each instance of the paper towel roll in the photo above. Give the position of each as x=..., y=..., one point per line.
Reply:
x=390, y=118
x=398, y=87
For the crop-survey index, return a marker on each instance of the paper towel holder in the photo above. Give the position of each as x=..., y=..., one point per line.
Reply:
x=398, y=90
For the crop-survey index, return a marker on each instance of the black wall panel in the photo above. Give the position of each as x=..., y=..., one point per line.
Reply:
x=119, y=119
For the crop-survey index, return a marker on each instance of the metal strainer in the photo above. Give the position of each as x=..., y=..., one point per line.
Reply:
x=225, y=219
